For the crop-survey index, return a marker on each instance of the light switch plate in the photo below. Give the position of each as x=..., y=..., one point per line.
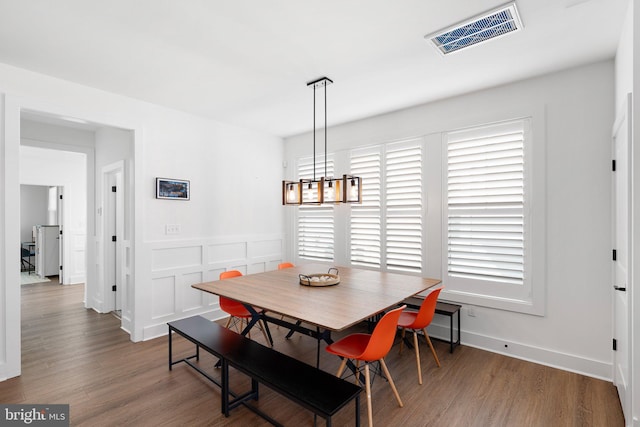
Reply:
x=172, y=229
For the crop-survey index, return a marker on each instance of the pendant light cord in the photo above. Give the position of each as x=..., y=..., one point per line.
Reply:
x=325, y=129
x=314, y=132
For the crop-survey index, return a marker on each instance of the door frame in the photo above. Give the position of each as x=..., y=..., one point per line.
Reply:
x=11, y=107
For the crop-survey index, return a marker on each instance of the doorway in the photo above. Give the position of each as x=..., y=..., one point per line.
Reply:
x=127, y=145
x=41, y=225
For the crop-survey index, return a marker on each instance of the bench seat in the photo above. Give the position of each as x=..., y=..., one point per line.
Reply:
x=318, y=391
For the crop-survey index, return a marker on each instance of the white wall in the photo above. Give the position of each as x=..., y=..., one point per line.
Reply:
x=234, y=218
x=572, y=117
x=33, y=209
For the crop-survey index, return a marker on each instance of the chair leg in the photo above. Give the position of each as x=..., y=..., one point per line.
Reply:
x=391, y=383
x=342, y=366
x=228, y=322
x=433, y=350
x=402, y=340
x=415, y=344
x=368, y=391
x=264, y=332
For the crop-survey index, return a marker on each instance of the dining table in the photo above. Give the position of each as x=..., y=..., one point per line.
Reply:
x=318, y=310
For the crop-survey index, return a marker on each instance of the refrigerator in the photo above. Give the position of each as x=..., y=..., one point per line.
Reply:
x=47, y=250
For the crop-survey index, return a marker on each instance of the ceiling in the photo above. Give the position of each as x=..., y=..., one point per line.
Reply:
x=247, y=62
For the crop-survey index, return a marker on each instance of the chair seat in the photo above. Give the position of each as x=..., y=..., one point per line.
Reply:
x=351, y=346
x=407, y=319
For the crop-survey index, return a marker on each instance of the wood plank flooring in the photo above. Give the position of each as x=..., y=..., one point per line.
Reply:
x=76, y=356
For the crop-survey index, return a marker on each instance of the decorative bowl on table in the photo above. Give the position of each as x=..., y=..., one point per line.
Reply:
x=320, y=279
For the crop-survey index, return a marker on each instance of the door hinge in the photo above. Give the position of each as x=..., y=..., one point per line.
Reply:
x=615, y=255
x=613, y=165
x=61, y=232
x=113, y=189
x=60, y=268
x=61, y=197
x=615, y=345
x=113, y=238
x=113, y=288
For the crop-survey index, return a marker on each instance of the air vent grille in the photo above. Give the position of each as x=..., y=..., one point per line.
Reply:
x=487, y=26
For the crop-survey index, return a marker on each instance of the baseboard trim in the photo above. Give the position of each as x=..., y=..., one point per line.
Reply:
x=567, y=362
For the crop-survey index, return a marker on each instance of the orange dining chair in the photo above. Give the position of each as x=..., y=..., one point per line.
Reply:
x=419, y=320
x=237, y=310
x=283, y=265
x=369, y=348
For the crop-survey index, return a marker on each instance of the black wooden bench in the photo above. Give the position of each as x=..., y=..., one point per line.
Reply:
x=444, y=308
x=318, y=391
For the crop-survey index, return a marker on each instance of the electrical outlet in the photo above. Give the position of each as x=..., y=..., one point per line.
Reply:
x=172, y=229
x=470, y=311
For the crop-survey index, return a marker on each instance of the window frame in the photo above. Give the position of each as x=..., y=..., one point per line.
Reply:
x=528, y=297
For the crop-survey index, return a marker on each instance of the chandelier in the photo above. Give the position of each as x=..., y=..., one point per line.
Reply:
x=324, y=189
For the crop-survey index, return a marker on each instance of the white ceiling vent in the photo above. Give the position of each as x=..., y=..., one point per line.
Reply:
x=489, y=25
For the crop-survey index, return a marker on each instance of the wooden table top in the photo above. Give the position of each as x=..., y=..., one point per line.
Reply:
x=359, y=295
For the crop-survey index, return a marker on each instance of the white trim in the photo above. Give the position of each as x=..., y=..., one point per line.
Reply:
x=543, y=356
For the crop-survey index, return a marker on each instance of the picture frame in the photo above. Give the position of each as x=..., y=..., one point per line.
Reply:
x=173, y=189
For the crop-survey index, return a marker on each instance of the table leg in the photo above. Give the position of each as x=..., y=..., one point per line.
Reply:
x=255, y=318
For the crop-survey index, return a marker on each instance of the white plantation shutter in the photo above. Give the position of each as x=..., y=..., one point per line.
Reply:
x=403, y=190
x=366, y=218
x=315, y=223
x=486, y=203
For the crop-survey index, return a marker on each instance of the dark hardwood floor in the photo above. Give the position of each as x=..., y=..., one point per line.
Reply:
x=75, y=356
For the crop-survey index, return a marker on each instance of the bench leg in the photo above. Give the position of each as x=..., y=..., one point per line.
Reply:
x=254, y=389
x=451, y=333
x=224, y=389
x=170, y=352
x=458, y=342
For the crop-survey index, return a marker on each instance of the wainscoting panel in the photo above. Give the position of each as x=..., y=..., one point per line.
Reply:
x=163, y=296
x=176, y=265
x=227, y=251
x=265, y=247
x=191, y=298
x=177, y=257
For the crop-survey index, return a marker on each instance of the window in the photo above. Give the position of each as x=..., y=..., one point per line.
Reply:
x=404, y=206
x=486, y=219
x=477, y=233
x=386, y=229
x=315, y=223
x=366, y=229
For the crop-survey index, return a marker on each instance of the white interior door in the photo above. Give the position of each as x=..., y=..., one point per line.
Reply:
x=60, y=221
x=113, y=237
x=621, y=279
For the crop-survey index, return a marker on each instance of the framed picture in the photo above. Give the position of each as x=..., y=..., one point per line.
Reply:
x=172, y=189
